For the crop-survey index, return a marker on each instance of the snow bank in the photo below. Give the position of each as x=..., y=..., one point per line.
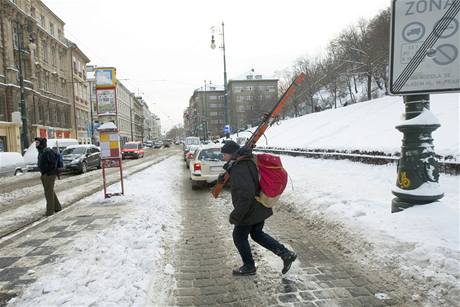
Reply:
x=423, y=241
x=366, y=126
x=115, y=266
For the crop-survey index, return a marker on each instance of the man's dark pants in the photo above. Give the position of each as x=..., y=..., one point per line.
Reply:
x=52, y=202
x=240, y=238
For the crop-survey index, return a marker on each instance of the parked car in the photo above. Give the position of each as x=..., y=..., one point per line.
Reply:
x=31, y=154
x=166, y=143
x=81, y=158
x=11, y=164
x=206, y=165
x=148, y=144
x=157, y=144
x=132, y=150
x=191, y=143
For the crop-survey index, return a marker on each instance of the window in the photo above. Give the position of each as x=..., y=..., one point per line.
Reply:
x=53, y=56
x=51, y=28
x=42, y=21
x=45, y=51
x=33, y=12
x=60, y=34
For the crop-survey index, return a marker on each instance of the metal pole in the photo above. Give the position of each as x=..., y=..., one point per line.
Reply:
x=73, y=93
x=25, y=128
x=131, y=118
x=225, y=78
x=205, y=113
x=418, y=171
x=91, y=110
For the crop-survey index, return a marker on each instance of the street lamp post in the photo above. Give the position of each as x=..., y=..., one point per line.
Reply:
x=213, y=46
x=25, y=128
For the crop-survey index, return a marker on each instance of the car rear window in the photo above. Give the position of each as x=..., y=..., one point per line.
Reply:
x=212, y=154
x=74, y=151
x=130, y=146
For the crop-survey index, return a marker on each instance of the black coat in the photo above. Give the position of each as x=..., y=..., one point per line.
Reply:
x=47, y=163
x=244, y=179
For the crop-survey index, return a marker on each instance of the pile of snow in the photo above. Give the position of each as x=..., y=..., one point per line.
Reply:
x=116, y=265
x=422, y=242
x=367, y=126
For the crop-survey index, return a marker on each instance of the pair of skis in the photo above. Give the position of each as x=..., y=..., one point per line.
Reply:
x=268, y=120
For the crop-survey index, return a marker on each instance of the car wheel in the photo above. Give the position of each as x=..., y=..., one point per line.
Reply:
x=18, y=172
x=98, y=166
x=84, y=167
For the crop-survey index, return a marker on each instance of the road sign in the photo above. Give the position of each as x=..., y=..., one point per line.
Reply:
x=425, y=40
x=227, y=129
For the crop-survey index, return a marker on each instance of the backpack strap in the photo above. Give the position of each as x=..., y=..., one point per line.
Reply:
x=256, y=181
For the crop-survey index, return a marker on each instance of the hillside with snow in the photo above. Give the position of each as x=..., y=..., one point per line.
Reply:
x=366, y=126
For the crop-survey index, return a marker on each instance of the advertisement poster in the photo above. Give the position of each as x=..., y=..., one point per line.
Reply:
x=106, y=102
x=105, y=77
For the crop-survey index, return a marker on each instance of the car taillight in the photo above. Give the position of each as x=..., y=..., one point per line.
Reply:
x=197, y=167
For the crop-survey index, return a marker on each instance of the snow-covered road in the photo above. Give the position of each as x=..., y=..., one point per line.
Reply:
x=165, y=244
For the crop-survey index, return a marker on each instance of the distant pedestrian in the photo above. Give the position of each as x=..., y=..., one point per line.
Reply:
x=48, y=166
x=248, y=214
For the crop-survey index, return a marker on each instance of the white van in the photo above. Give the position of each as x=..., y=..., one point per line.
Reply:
x=191, y=143
x=11, y=164
x=31, y=155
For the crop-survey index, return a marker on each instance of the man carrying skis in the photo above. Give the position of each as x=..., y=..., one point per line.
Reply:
x=248, y=214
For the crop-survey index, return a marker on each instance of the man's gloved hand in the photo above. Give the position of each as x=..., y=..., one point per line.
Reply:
x=226, y=166
x=221, y=177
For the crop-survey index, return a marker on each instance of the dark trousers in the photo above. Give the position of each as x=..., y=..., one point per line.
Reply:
x=240, y=238
x=52, y=202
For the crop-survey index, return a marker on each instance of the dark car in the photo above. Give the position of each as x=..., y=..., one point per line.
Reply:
x=81, y=158
x=167, y=143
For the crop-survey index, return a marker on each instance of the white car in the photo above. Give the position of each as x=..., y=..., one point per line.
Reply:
x=31, y=155
x=189, y=154
x=206, y=165
x=11, y=164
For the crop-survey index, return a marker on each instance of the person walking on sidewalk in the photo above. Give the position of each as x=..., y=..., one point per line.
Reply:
x=48, y=166
x=248, y=214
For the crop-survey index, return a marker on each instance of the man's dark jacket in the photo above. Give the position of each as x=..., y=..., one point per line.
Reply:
x=244, y=179
x=47, y=163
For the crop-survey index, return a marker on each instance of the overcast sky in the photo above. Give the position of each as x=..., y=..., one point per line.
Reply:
x=163, y=47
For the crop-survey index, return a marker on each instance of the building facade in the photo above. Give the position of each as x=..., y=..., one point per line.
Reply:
x=81, y=110
x=33, y=45
x=137, y=117
x=205, y=115
x=250, y=96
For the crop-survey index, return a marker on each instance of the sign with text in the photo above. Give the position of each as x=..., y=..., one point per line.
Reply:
x=106, y=100
x=106, y=77
x=425, y=41
x=110, y=145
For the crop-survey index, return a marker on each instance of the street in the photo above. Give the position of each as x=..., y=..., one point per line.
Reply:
x=25, y=205
x=174, y=246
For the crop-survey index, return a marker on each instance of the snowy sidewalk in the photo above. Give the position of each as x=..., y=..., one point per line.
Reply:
x=97, y=251
x=351, y=202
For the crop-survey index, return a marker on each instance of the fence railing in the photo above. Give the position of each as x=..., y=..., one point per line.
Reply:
x=447, y=167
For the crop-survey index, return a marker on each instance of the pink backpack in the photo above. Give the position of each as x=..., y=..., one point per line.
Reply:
x=273, y=179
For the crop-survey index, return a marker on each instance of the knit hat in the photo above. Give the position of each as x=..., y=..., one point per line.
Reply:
x=230, y=147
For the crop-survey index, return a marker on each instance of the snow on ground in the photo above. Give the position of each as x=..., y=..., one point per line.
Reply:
x=117, y=265
x=423, y=241
x=366, y=126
